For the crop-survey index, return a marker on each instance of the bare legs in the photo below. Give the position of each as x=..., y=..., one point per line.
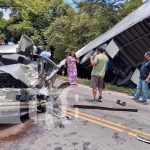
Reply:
x=95, y=91
x=100, y=92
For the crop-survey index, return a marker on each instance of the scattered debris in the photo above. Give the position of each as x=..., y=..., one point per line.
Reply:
x=143, y=139
x=61, y=125
x=86, y=145
x=115, y=135
x=58, y=148
x=103, y=108
x=68, y=118
x=121, y=103
x=75, y=143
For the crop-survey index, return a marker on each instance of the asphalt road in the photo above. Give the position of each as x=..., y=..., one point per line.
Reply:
x=83, y=129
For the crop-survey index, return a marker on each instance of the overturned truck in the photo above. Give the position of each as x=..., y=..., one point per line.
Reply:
x=125, y=44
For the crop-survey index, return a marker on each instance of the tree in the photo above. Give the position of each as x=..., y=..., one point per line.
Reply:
x=56, y=24
x=57, y=35
x=129, y=6
x=1, y=14
x=3, y=24
x=32, y=17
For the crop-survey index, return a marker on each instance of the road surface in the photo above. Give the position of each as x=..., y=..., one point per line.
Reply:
x=82, y=129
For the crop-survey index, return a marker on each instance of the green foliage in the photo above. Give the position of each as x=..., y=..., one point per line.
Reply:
x=57, y=36
x=129, y=6
x=69, y=32
x=21, y=28
x=56, y=24
x=37, y=39
x=3, y=26
x=109, y=86
x=1, y=14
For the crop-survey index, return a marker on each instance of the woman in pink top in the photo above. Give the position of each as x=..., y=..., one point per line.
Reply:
x=72, y=69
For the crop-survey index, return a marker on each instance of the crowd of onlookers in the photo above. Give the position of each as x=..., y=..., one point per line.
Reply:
x=100, y=62
x=11, y=41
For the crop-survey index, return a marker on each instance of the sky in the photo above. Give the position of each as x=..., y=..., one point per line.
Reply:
x=6, y=13
x=70, y=2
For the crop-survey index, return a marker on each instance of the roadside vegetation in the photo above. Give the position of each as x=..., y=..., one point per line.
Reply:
x=109, y=86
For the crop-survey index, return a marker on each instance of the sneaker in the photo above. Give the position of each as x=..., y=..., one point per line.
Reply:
x=100, y=99
x=136, y=99
x=144, y=102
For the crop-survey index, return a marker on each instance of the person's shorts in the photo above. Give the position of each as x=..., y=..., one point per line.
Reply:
x=96, y=82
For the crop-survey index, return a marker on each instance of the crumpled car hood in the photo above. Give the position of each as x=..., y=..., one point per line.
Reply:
x=25, y=73
x=21, y=68
x=28, y=74
x=8, y=49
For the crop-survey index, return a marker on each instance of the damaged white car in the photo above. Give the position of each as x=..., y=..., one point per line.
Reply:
x=23, y=80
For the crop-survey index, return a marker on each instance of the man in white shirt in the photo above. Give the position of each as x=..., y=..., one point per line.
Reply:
x=45, y=54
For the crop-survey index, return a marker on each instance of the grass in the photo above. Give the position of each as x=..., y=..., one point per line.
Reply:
x=108, y=86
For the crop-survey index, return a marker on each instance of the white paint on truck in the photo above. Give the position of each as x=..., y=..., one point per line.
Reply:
x=112, y=49
x=135, y=76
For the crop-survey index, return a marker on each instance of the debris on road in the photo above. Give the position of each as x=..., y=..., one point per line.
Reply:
x=121, y=103
x=58, y=148
x=86, y=145
x=61, y=125
x=104, y=108
x=143, y=139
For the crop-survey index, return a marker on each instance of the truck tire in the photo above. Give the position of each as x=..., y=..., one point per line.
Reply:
x=126, y=81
